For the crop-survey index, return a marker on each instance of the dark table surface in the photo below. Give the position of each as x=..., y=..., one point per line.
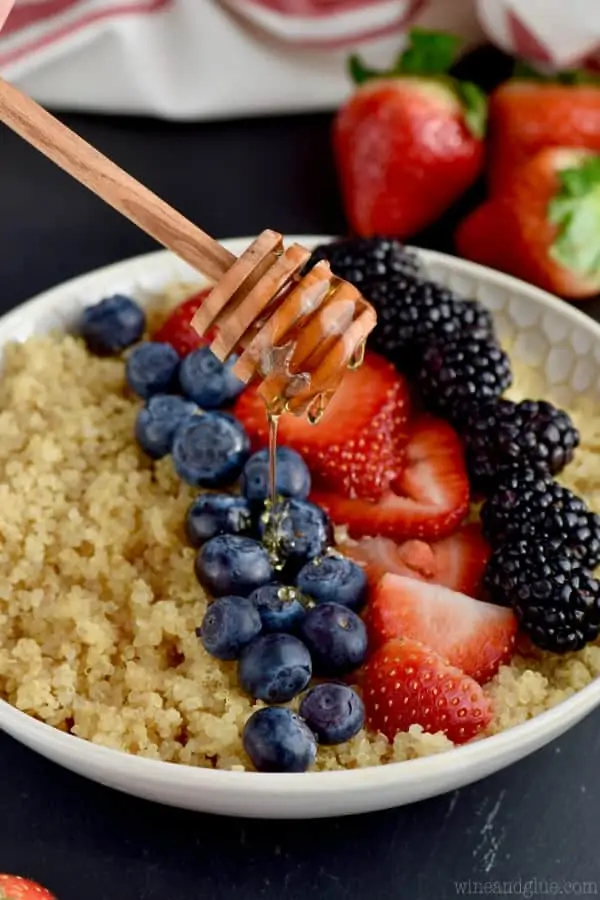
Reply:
x=532, y=830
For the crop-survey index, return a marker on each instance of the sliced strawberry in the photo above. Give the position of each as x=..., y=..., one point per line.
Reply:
x=461, y=560
x=429, y=498
x=405, y=683
x=380, y=555
x=177, y=330
x=473, y=635
x=457, y=562
x=356, y=448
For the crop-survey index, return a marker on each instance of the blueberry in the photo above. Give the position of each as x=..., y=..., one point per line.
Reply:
x=333, y=712
x=336, y=638
x=274, y=668
x=228, y=625
x=334, y=579
x=151, y=368
x=111, y=325
x=299, y=531
x=277, y=740
x=230, y=564
x=213, y=514
x=280, y=608
x=292, y=480
x=158, y=421
x=208, y=381
x=210, y=451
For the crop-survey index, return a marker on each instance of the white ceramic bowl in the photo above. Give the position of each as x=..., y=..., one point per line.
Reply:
x=547, y=333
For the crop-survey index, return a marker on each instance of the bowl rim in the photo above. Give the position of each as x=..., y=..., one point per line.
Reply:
x=36, y=733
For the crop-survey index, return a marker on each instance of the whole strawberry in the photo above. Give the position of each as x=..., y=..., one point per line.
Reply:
x=409, y=142
x=545, y=226
x=13, y=887
x=531, y=114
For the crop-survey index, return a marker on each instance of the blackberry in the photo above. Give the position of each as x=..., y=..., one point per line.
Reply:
x=474, y=319
x=519, y=474
x=413, y=314
x=556, y=600
x=501, y=433
x=364, y=261
x=412, y=311
x=456, y=376
x=540, y=509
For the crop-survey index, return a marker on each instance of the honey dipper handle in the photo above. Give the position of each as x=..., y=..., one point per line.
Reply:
x=43, y=131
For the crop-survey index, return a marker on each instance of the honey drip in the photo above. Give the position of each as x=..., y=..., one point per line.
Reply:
x=317, y=408
x=274, y=512
x=273, y=421
x=295, y=332
x=358, y=357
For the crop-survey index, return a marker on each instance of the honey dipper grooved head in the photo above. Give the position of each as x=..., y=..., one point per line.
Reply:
x=295, y=333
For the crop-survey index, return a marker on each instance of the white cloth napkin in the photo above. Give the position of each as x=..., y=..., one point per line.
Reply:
x=206, y=59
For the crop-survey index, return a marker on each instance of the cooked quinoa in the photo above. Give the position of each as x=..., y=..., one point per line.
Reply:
x=98, y=598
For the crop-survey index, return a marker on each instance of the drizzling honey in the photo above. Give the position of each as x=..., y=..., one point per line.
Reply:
x=274, y=512
x=358, y=357
x=295, y=333
x=316, y=409
x=273, y=428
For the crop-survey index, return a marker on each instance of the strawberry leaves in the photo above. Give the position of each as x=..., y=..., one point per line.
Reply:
x=360, y=73
x=431, y=55
x=569, y=77
x=575, y=210
x=475, y=105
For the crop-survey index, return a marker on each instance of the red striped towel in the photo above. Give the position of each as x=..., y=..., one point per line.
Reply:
x=216, y=58
x=328, y=22
x=34, y=25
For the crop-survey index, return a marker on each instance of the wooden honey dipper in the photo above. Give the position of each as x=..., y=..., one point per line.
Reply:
x=296, y=333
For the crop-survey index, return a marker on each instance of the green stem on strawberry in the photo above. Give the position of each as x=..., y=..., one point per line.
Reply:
x=475, y=105
x=570, y=77
x=575, y=210
x=430, y=54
